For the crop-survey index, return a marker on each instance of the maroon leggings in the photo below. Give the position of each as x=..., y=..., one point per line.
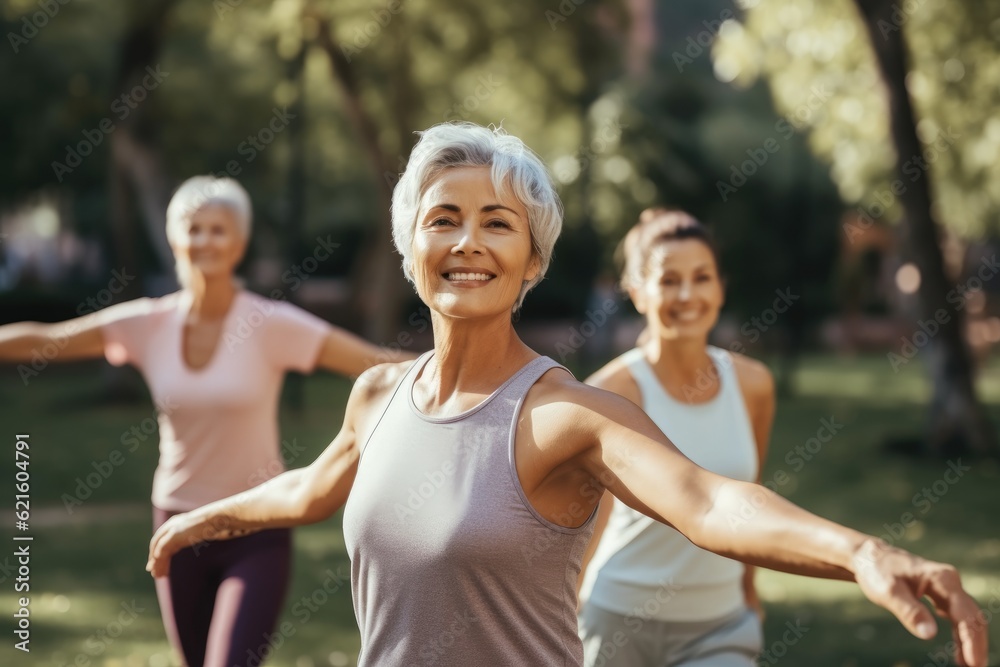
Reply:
x=222, y=600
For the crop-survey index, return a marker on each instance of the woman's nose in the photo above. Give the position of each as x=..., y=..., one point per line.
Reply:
x=468, y=241
x=684, y=294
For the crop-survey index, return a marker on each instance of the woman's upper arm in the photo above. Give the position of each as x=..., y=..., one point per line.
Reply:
x=345, y=353
x=631, y=457
x=328, y=479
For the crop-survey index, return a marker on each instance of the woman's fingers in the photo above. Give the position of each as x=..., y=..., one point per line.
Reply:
x=157, y=565
x=165, y=543
x=910, y=611
x=897, y=580
x=969, y=627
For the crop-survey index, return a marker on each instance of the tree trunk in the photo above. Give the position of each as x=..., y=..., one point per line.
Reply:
x=295, y=222
x=133, y=159
x=958, y=422
x=378, y=285
x=132, y=163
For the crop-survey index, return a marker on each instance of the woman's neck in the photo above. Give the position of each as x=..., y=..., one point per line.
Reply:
x=684, y=360
x=211, y=298
x=473, y=355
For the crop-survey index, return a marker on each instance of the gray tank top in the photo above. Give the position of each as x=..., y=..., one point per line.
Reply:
x=450, y=563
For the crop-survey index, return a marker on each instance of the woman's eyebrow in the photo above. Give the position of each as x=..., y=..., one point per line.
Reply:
x=494, y=207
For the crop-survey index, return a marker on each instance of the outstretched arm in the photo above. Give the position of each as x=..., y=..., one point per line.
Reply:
x=79, y=338
x=293, y=498
x=632, y=458
x=350, y=355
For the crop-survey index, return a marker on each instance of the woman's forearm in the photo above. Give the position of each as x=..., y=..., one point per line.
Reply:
x=19, y=340
x=24, y=342
x=293, y=498
x=750, y=523
x=277, y=503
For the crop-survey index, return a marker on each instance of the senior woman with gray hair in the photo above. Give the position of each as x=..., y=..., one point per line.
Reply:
x=472, y=475
x=214, y=357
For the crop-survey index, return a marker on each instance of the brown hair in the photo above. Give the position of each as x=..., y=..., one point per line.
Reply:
x=657, y=226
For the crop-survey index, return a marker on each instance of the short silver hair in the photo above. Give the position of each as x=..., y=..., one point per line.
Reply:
x=514, y=169
x=200, y=191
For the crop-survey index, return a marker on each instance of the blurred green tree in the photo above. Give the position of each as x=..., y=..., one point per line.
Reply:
x=351, y=81
x=920, y=148
x=666, y=131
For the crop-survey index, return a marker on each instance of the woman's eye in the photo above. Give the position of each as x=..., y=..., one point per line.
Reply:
x=498, y=223
x=441, y=222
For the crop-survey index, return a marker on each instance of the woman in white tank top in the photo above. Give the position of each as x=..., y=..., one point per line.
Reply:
x=677, y=604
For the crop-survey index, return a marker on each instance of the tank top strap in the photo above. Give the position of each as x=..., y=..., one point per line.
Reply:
x=522, y=381
x=410, y=376
x=403, y=387
x=726, y=366
x=642, y=373
x=505, y=415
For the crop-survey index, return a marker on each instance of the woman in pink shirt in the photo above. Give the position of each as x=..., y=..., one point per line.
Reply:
x=214, y=357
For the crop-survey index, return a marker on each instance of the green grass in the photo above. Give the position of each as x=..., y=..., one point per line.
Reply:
x=86, y=565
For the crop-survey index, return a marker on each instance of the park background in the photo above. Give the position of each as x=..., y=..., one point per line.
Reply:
x=845, y=155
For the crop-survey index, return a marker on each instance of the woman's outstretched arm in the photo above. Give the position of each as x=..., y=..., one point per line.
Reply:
x=293, y=498
x=629, y=456
x=79, y=338
x=351, y=355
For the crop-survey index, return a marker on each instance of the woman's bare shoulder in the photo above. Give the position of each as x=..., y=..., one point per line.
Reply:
x=755, y=378
x=566, y=404
x=616, y=378
x=379, y=380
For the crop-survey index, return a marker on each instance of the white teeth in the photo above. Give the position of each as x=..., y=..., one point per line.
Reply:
x=687, y=315
x=469, y=276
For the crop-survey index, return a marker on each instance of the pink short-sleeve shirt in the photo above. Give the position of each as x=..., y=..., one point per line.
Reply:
x=218, y=423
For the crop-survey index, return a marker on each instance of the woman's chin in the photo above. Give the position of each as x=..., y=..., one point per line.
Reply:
x=212, y=272
x=467, y=306
x=686, y=332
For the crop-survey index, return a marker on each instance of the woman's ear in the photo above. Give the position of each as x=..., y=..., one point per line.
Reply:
x=534, y=268
x=638, y=298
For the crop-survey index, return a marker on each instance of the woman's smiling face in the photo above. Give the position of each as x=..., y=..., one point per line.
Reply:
x=210, y=241
x=682, y=293
x=472, y=247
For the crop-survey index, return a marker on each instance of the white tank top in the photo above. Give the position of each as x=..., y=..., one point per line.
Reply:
x=645, y=569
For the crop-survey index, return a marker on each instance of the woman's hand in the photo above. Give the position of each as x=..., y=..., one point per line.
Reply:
x=176, y=533
x=898, y=580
